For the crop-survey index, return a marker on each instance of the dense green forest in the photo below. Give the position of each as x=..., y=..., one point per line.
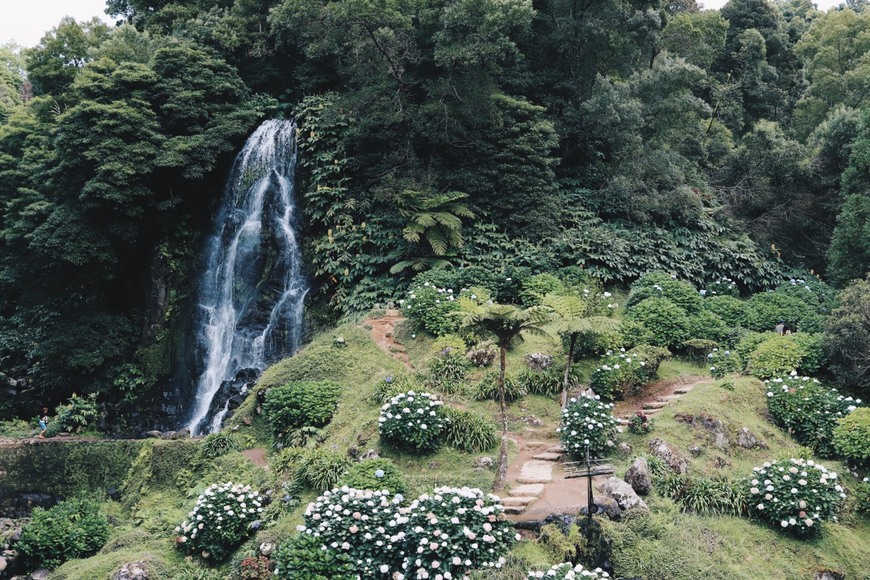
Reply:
x=621, y=136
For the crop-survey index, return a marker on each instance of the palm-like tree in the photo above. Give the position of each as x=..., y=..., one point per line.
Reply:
x=506, y=324
x=575, y=315
x=435, y=218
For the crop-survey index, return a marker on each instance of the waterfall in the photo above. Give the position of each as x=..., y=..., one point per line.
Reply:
x=249, y=311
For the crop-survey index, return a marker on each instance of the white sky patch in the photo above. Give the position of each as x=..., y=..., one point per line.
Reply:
x=27, y=21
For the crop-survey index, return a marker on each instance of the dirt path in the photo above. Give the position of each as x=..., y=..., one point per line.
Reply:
x=657, y=396
x=382, y=330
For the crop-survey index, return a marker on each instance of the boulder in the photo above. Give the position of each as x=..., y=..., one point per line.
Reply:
x=40, y=574
x=695, y=451
x=604, y=505
x=624, y=495
x=182, y=434
x=266, y=548
x=2, y=563
x=132, y=571
x=828, y=575
x=624, y=449
x=669, y=455
x=153, y=434
x=638, y=476
x=168, y=435
x=483, y=463
x=748, y=440
x=370, y=454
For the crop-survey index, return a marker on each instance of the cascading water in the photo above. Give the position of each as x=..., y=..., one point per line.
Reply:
x=251, y=294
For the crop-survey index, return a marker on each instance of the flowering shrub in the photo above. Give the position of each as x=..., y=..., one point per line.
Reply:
x=794, y=495
x=302, y=403
x=852, y=436
x=730, y=309
x=568, y=571
x=640, y=424
x=379, y=474
x=414, y=420
x=453, y=531
x=222, y=518
x=618, y=374
x=432, y=309
x=255, y=568
x=364, y=525
x=780, y=355
x=722, y=286
x=723, y=362
x=587, y=423
x=808, y=410
x=662, y=285
x=305, y=557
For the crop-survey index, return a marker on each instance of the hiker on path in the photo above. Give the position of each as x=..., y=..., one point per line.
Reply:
x=43, y=422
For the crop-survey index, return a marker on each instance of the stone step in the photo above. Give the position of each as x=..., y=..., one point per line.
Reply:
x=529, y=490
x=523, y=500
x=536, y=471
x=654, y=405
x=668, y=398
x=548, y=456
x=653, y=411
x=514, y=510
x=682, y=390
x=556, y=449
x=538, y=444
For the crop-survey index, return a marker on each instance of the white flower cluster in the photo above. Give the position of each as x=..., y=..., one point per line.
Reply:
x=413, y=419
x=439, y=536
x=222, y=515
x=568, y=571
x=796, y=494
x=587, y=423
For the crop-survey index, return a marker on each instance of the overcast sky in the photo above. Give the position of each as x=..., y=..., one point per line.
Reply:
x=26, y=21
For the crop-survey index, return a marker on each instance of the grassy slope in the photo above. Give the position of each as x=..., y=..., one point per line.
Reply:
x=667, y=544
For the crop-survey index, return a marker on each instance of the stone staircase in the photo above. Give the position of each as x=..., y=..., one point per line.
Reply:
x=650, y=408
x=534, y=475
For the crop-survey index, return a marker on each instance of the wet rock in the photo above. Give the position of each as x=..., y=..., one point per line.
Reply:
x=483, y=463
x=132, y=571
x=669, y=455
x=624, y=495
x=638, y=476
x=564, y=521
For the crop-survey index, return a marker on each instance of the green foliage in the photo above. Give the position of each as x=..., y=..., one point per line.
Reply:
x=587, y=426
x=705, y=496
x=446, y=371
x=73, y=528
x=808, y=410
x=374, y=474
x=728, y=308
x=723, y=363
x=220, y=443
x=767, y=309
x=432, y=309
x=224, y=515
x=847, y=333
x=775, y=356
x=537, y=286
x=640, y=424
x=391, y=386
x=313, y=468
x=301, y=404
x=482, y=354
x=851, y=436
x=659, y=322
x=794, y=495
x=78, y=415
x=663, y=285
x=706, y=325
x=304, y=557
x=413, y=421
x=487, y=388
x=469, y=431
x=618, y=375
x=546, y=382
x=862, y=497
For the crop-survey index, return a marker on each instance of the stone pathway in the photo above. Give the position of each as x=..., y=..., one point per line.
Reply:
x=652, y=402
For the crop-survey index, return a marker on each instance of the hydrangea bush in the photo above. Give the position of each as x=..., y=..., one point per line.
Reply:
x=587, y=423
x=618, y=374
x=432, y=309
x=224, y=515
x=453, y=531
x=723, y=363
x=568, y=571
x=808, y=410
x=794, y=495
x=413, y=420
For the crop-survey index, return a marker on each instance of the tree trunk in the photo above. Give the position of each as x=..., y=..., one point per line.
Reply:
x=501, y=472
x=571, y=342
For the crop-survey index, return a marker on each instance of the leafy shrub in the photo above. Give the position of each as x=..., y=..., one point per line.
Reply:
x=77, y=415
x=750, y=341
x=847, y=331
x=413, y=421
x=662, y=323
x=731, y=310
x=595, y=343
x=316, y=468
x=379, y=474
x=73, y=528
x=487, y=389
x=662, y=285
x=447, y=371
x=815, y=352
x=298, y=404
x=794, y=495
x=775, y=356
x=766, y=309
x=704, y=496
x=535, y=287
x=568, y=571
x=723, y=362
x=220, y=443
x=640, y=424
x=697, y=349
x=587, y=423
x=453, y=531
x=305, y=557
x=862, y=497
x=652, y=356
x=391, y=386
x=448, y=344
x=482, y=354
x=432, y=309
x=222, y=518
x=808, y=410
x=709, y=326
x=721, y=286
x=852, y=436
x=546, y=382
x=357, y=524
x=618, y=374
x=470, y=431
x=259, y=568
